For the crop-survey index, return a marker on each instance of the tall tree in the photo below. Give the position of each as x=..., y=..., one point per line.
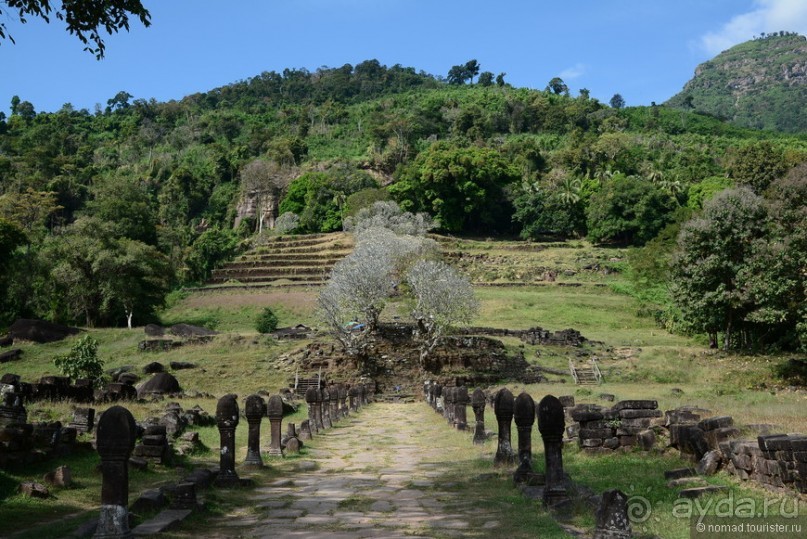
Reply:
x=617, y=102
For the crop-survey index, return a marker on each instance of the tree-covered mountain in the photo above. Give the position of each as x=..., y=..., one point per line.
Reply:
x=102, y=212
x=761, y=84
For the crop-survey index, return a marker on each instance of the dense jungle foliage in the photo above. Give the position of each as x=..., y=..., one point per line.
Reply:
x=103, y=212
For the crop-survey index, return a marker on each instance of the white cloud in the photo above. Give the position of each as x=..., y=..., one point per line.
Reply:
x=570, y=73
x=769, y=16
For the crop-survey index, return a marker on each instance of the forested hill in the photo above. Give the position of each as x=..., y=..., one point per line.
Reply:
x=102, y=212
x=760, y=84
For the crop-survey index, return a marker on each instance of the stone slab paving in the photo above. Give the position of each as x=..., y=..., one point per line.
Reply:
x=375, y=476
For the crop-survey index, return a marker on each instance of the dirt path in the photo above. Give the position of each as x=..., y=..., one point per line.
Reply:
x=378, y=474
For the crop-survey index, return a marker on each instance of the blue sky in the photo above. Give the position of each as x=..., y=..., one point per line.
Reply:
x=643, y=49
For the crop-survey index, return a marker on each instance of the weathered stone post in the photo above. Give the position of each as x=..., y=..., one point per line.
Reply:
x=227, y=421
x=525, y=417
x=353, y=394
x=439, y=399
x=115, y=441
x=311, y=398
x=334, y=391
x=325, y=403
x=448, y=404
x=255, y=410
x=551, y=424
x=460, y=411
x=612, y=516
x=305, y=430
x=343, y=411
x=274, y=409
x=503, y=408
x=478, y=405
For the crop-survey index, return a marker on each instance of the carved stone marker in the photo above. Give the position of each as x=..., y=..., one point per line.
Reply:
x=551, y=424
x=612, y=516
x=274, y=409
x=115, y=441
x=325, y=404
x=255, y=410
x=343, y=410
x=448, y=404
x=311, y=398
x=334, y=392
x=460, y=408
x=83, y=419
x=305, y=430
x=503, y=408
x=478, y=405
x=227, y=421
x=353, y=395
x=524, y=415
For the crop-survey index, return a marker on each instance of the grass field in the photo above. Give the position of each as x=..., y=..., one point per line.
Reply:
x=638, y=360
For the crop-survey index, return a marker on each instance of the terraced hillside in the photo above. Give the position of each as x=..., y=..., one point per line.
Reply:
x=285, y=261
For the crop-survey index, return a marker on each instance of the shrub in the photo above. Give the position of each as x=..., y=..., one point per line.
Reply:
x=286, y=223
x=82, y=361
x=267, y=321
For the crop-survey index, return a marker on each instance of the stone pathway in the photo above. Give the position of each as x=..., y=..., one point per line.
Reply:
x=376, y=476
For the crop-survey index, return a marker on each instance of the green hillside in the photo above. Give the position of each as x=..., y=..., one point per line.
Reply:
x=760, y=84
x=103, y=213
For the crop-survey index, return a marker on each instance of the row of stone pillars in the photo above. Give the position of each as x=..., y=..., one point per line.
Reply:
x=117, y=431
x=451, y=402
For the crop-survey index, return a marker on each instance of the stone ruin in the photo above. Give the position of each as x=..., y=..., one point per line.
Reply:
x=626, y=424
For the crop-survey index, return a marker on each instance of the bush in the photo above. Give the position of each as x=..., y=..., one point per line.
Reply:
x=267, y=321
x=793, y=371
x=287, y=223
x=82, y=361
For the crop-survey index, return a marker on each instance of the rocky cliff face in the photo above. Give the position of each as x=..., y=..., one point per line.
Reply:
x=760, y=84
x=258, y=205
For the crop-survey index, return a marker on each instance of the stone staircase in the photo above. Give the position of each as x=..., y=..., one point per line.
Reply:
x=587, y=374
x=284, y=261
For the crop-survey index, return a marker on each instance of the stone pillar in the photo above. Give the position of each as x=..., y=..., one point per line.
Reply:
x=334, y=392
x=439, y=399
x=311, y=398
x=274, y=409
x=612, y=516
x=503, y=408
x=115, y=441
x=460, y=408
x=343, y=401
x=255, y=410
x=448, y=404
x=478, y=405
x=524, y=415
x=353, y=395
x=325, y=403
x=551, y=424
x=305, y=430
x=227, y=421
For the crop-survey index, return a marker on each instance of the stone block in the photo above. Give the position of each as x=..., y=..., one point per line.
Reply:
x=586, y=415
x=628, y=441
x=636, y=405
x=586, y=433
x=646, y=440
x=154, y=439
x=709, y=464
x=611, y=443
x=639, y=422
x=149, y=501
x=162, y=522
x=591, y=442
x=635, y=414
x=60, y=477
x=774, y=442
x=719, y=422
x=679, y=473
x=33, y=490
x=697, y=492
